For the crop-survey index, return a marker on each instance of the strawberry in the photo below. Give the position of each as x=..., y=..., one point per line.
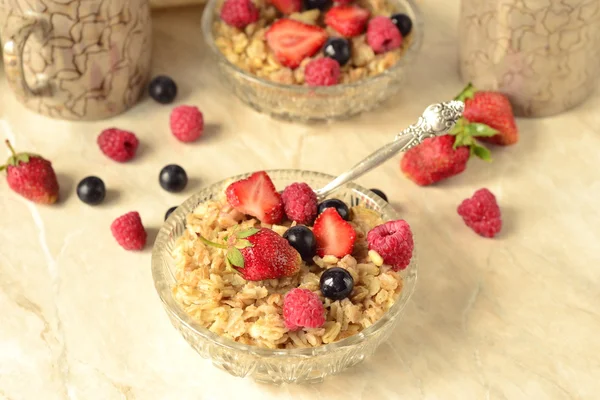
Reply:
x=292, y=41
x=259, y=254
x=493, y=110
x=31, y=176
x=256, y=196
x=334, y=235
x=347, y=20
x=287, y=6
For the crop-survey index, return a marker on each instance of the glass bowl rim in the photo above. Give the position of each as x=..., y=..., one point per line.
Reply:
x=413, y=49
x=165, y=293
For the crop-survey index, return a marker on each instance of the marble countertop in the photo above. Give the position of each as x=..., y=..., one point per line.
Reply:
x=511, y=318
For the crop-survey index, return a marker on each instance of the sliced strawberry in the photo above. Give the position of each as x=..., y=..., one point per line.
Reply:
x=287, y=6
x=347, y=20
x=256, y=196
x=334, y=235
x=292, y=41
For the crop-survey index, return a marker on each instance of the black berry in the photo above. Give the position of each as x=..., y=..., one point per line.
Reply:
x=303, y=240
x=91, y=190
x=339, y=205
x=403, y=23
x=379, y=193
x=163, y=89
x=320, y=4
x=169, y=212
x=173, y=178
x=338, y=49
x=336, y=283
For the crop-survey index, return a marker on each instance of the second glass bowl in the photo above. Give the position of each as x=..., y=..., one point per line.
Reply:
x=306, y=104
x=266, y=365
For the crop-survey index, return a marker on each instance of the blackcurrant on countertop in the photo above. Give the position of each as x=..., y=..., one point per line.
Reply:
x=514, y=317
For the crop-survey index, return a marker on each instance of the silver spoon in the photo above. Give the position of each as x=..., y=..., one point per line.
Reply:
x=437, y=120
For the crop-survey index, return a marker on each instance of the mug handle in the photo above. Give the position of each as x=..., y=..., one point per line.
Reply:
x=32, y=23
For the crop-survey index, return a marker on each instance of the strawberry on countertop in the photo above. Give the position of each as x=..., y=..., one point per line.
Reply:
x=31, y=176
x=334, y=235
x=256, y=196
x=347, y=20
x=292, y=41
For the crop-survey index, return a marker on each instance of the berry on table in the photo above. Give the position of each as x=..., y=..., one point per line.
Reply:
x=303, y=240
x=299, y=203
x=170, y=211
x=393, y=241
x=129, y=231
x=379, y=193
x=382, y=35
x=403, y=23
x=173, y=178
x=482, y=213
x=322, y=72
x=91, y=190
x=338, y=49
x=334, y=236
x=239, y=13
x=163, y=89
x=339, y=206
x=292, y=41
x=318, y=4
x=31, y=176
x=302, y=309
x=348, y=20
x=187, y=123
x=256, y=196
x=336, y=283
x=117, y=144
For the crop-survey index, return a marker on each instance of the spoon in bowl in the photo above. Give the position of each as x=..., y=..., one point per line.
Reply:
x=436, y=120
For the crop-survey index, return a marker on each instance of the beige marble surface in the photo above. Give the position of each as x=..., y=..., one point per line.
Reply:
x=511, y=318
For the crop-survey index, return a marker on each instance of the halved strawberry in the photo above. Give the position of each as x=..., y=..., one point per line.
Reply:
x=292, y=41
x=287, y=6
x=347, y=20
x=256, y=196
x=334, y=235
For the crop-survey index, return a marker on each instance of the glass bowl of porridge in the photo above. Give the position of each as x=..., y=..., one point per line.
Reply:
x=270, y=83
x=241, y=324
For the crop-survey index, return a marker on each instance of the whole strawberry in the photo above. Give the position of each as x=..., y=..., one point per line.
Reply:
x=493, y=110
x=259, y=254
x=31, y=176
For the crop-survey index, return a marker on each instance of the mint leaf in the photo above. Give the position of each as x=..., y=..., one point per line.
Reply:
x=235, y=257
x=477, y=129
x=481, y=152
x=246, y=233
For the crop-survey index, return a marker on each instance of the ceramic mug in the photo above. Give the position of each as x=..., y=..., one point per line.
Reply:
x=543, y=54
x=76, y=59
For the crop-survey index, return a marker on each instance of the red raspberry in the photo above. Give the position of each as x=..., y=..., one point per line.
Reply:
x=239, y=13
x=118, y=144
x=322, y=72
x=300, y=203
x=481, y=213
x=302, y=309
x=394, y=243
x=187, y=123
x=383, y=35
x=129, y=231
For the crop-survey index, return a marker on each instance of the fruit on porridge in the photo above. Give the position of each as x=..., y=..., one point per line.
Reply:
x=312, y=42
x=246, y=269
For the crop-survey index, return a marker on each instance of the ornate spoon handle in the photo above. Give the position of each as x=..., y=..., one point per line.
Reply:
x=437, y=119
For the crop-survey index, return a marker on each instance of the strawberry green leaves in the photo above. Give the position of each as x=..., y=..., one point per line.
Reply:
x=467, y=93
x=465, y=134
x=235, y=257
x=234, y=243
x=246, y=233
x=16, y=158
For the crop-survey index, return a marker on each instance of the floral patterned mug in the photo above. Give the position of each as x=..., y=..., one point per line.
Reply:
x=76, y=59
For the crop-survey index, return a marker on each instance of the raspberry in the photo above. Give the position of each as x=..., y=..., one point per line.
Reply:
x=383, y=35
x=129, y=231
x=118, y=144
x=393, y=241
x=302, y=308
x=300, y=203
x=239, y=13
x=187, y=123
x=481, y=213
x=322, y=72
